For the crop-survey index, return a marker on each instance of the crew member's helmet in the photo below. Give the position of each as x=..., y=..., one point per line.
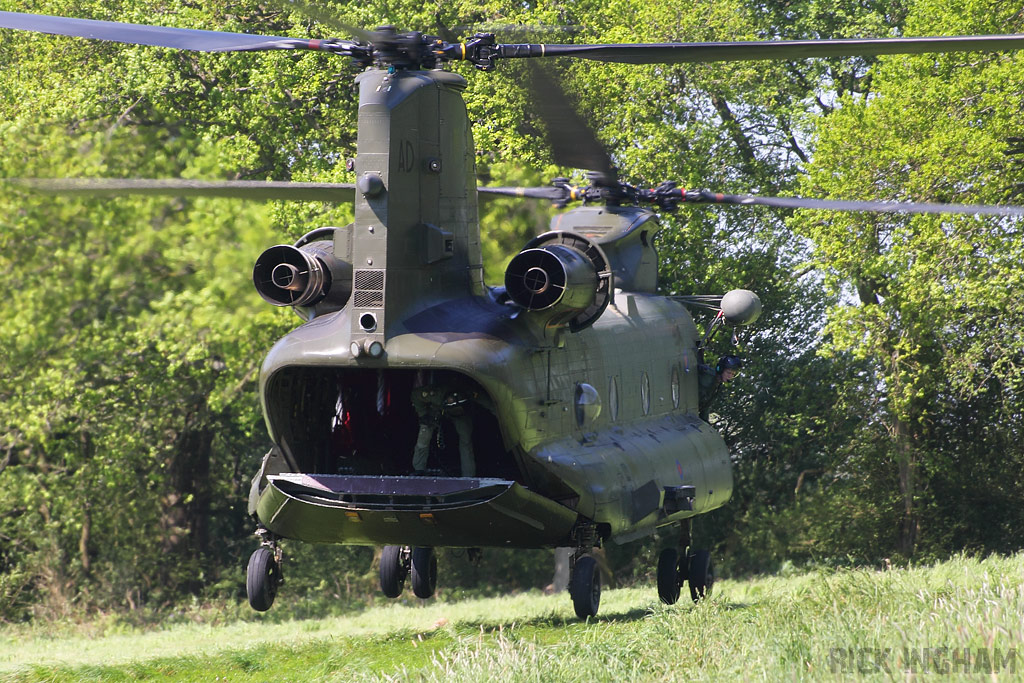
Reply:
x=729, y=363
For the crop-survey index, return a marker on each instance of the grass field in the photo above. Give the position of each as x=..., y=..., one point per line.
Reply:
x=963, y=618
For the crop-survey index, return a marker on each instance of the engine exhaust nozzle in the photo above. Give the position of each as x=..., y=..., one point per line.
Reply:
x=554, y=277
x=286, y=276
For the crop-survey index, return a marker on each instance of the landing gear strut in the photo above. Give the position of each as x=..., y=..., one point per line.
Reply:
x=263, y=574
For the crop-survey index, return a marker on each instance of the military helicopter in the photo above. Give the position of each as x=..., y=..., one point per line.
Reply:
x=578, y=383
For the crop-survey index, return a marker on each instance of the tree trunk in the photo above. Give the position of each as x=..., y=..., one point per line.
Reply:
x=560, y=581
x=909, y=524
x=739, y=138
x=83, y=540
x=187, y=507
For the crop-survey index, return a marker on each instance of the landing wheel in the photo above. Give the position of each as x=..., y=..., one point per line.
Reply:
x=262, y=577
x=393, y=570
x=585, y=587
x=424, y=572
x=701, y=575
x=669, y=576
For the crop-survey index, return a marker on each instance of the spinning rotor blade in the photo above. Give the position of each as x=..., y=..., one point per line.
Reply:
x=552, y=194
x=314, y=12
x=704, y=196
x=161, y=36
x=416, y=49
x=667, y=197
x=677, y=53
x=573, y=142
x=260, y=190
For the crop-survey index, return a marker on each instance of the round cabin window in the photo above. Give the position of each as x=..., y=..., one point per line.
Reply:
x=588, y=404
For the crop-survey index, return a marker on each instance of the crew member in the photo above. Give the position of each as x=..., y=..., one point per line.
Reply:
x=432, y=402
x=711, y=380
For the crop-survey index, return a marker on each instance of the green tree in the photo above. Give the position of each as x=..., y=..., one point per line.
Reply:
x=929, y=300
x=132, y=340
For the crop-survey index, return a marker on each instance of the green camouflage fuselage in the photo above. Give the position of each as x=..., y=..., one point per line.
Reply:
x=594, y=427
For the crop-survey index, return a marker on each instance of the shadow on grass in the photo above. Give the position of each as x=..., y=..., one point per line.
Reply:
x=733, y=606
x=683, y=607
x=495, y=623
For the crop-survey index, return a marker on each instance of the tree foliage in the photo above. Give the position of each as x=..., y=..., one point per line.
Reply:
x=935, y=314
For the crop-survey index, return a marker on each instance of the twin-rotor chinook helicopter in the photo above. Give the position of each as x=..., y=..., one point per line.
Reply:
x=578, y=382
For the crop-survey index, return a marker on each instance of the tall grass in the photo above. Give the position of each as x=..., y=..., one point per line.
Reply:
x=964, y=617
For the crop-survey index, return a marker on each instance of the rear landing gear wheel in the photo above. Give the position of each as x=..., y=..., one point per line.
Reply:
x=585, y=587
x=669, y=576
x=701, y=575
x=262, y=577
x=424, y=572
x=393, y=570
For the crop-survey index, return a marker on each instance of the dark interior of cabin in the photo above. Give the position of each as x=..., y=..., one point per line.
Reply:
x=363, y=422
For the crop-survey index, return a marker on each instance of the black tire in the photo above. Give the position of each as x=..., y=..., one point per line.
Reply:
x=669, y=576
x=392, y=571
x=585, y=587
x=262, y=577
x=701, y=575
x=424, y=572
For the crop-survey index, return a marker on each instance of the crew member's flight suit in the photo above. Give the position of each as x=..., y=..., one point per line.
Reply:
x=432, y=402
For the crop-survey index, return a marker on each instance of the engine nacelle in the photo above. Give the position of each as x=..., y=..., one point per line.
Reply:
x=306, y=276
x=562, y=274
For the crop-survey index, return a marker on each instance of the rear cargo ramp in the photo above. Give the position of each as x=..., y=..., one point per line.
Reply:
x=417, y=511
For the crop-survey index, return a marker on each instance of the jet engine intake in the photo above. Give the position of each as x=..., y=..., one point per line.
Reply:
x=304, y=276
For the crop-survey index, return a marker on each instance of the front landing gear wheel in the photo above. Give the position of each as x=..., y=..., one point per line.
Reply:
x=669, y=576
x=701, y=576
x=393, y=569
x=262, y=577
x=424, y=572
x=585, y=587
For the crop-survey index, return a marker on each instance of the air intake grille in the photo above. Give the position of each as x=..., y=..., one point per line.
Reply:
x=368, y=291
x=370, y=279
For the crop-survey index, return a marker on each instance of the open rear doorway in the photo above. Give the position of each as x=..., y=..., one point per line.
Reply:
x=364, y=422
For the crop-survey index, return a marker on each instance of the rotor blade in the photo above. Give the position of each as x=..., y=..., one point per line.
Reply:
x=159, y=36
x=264, y=190
x=705, y=196
x=573, y=142
x=238, y=189
x=675, y=53
x=552, y=194
x=314, y=12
